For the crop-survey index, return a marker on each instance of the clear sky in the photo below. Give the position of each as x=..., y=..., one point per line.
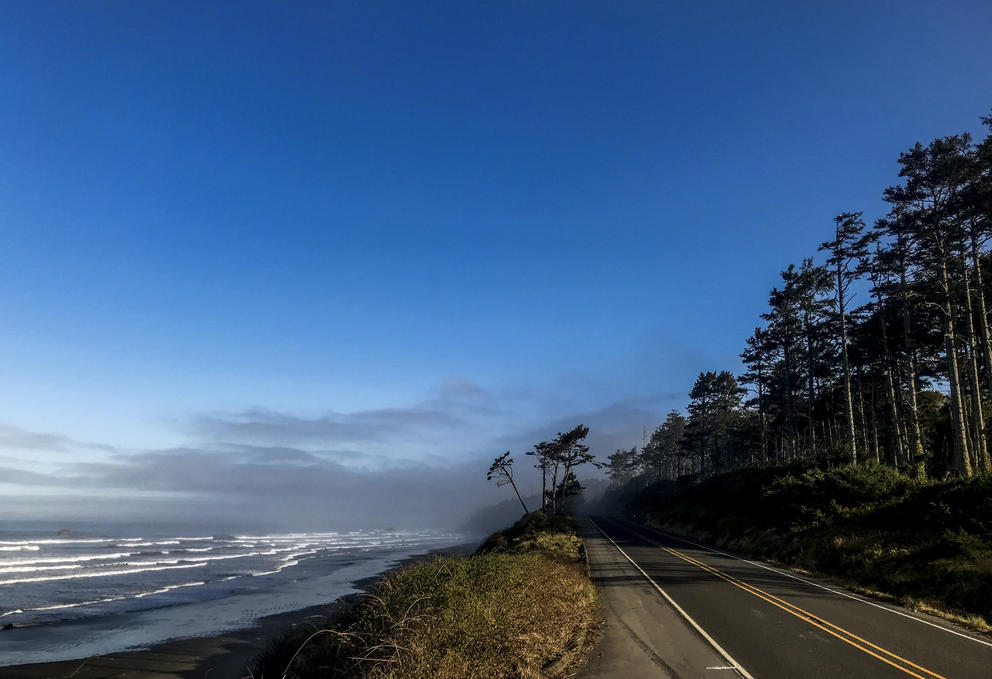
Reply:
x=358, y=236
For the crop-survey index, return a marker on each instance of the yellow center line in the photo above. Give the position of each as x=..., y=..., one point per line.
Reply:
x=802, y=614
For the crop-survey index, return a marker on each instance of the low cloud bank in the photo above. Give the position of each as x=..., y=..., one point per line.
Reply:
x=423, y=465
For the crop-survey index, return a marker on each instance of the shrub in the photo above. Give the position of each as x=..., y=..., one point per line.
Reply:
x=917, y=540
x=523, y=600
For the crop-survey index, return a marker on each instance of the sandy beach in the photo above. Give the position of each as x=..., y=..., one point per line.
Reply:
x=223, y=656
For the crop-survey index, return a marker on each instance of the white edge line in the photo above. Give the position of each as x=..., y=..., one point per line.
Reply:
x=736, y=665
x=823, y=587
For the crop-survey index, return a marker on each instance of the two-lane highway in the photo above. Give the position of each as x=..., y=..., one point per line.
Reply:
x=742, y=618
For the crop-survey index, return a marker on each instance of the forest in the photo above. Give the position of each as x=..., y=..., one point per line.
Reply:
x=875, y=350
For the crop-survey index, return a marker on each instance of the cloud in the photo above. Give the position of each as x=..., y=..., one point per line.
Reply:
x=222, y=485
x=24, y=477
x=616, y=425
x=330, y=429
x=17, y=438
x=418, y=465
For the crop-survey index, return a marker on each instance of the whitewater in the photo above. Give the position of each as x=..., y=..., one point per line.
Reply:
x=81, y=594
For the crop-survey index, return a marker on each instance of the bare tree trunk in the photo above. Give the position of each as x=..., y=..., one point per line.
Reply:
x=811, y=389
x=861, y=412
x=544, y=486
x=893, y=410
x=789, y=407
x=983, y=324
x=916, y=452
x=964, y=359
x=961, y=461
x=512, y=483
x=874, y=424
x=554, y=489
x=852, y=443
x=764, y=422
x=981, y=450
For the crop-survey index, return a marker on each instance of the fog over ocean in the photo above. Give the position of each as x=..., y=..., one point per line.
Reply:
x=80, y=592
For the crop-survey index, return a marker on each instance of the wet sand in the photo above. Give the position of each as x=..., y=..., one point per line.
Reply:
x=226, y=656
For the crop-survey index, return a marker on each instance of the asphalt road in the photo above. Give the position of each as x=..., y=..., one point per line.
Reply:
x=677, y=609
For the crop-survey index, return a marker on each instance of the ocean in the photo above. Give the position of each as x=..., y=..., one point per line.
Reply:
x=97, y=589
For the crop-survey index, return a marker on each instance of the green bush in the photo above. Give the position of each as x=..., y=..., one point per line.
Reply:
x=919, y=541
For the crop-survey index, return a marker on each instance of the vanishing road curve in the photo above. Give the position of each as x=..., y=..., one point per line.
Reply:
x=678, y=609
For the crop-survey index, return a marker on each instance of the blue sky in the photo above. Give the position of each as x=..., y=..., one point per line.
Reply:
x=509, y=216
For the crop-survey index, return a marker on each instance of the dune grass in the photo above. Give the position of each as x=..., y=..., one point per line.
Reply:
x=507, y=611
x=926, y=544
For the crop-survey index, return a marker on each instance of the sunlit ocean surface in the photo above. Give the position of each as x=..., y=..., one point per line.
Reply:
x=50, y=579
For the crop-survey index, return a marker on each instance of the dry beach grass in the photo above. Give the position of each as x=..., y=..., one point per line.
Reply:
x=508, y=611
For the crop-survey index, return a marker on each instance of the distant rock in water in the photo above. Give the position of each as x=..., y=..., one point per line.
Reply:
x=65, y=532
x=9, y=625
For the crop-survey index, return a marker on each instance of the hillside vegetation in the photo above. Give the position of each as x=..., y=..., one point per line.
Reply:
x=926, y=543
x=516, y=606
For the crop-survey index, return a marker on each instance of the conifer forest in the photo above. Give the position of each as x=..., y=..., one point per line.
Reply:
x=874, y=349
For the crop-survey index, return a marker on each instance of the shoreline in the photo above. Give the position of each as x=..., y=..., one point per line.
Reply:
x=223, y=656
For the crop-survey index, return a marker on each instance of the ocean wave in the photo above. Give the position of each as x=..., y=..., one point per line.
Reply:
x=151, y=544
x=286, y=536
x=278, y=569
x=169, y=588
x=100, y=574
x=33, y=569
x=59, y=541
x=105, y=574
x=64, y=559
x=123, y=597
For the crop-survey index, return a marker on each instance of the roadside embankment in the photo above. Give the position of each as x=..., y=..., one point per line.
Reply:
x=516, y=608
x=925, y=544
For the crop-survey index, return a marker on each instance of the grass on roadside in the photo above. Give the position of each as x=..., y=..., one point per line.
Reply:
x=505, y=612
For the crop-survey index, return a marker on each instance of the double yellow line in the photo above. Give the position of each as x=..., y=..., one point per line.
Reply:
x=828, y=627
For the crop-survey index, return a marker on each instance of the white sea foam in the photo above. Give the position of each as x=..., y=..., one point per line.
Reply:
x=157, y=562
x=169, y=588
x=279, y=569
x=57, y=607
x=65, y=559
x=286, y=536
x=100, y=574
x=33, y=569
x=153, y=543
x=59, y=541
x=105, y=581
x=140, y=595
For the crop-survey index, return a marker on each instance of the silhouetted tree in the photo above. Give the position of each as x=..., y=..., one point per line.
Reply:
x=846, y=251
x=501, y=472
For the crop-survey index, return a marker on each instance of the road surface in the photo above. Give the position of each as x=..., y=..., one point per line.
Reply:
x=677, y=609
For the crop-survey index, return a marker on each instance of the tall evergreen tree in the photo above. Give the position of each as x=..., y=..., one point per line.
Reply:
x=846, y=250
x=925, y=201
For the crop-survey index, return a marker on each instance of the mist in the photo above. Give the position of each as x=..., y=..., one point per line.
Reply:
x=420, y=466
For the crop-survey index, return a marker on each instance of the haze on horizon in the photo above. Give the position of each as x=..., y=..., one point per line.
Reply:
x=322, y=262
